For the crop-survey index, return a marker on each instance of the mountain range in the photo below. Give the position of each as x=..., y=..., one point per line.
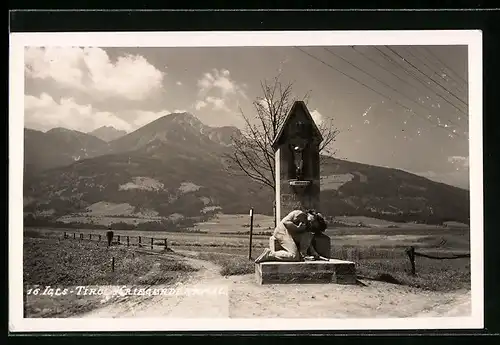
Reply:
x=173, y=168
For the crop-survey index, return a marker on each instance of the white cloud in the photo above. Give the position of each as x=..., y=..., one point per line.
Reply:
x=145, y=117
x=218, y=91
x=317, y=117
x=217, y=103
x=200, y=104
x=178, y=83
x=44, y=113
x=220, y=80
x=91, y=71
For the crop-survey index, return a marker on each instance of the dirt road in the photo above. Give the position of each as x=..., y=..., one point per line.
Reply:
x=209, y=295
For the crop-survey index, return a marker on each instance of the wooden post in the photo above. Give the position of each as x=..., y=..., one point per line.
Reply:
x=90, y=237
x=74, y=236
x=139, y=241
x=109, y=236
x=99, y=238
x=128, y=241
x=251, y=232
x=411, y=255
x=65, y=234
x=118, y=238
x=81, y=236
x=113, y=264
x=151, y=242
x=165, y=243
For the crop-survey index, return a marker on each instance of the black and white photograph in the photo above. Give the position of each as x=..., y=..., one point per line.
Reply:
x=246, y=180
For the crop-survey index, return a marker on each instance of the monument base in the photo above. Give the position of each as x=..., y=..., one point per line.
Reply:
x=313, y=272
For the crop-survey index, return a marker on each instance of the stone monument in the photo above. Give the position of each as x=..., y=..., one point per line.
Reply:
x=296, y=148
x=297, y=168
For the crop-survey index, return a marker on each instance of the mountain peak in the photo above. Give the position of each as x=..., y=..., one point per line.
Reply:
x=107, y=133
x=60, y=130
x=183, y=117
x=103, y=127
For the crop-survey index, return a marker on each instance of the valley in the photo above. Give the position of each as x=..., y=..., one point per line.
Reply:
x=172, y=172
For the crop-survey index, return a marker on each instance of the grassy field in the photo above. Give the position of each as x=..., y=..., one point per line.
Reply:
x=67, y=263
x=390, y=266
x=379, y=251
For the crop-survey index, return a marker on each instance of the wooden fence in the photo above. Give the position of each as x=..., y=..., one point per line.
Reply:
x=412, y=254
x=140, y=241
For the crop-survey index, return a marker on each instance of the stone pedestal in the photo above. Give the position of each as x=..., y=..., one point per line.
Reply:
x=314, y=272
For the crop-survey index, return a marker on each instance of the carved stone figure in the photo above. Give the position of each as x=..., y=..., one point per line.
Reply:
x=292, y=239
x=298, y=151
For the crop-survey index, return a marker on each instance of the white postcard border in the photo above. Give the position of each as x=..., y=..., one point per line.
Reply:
x=472, y=38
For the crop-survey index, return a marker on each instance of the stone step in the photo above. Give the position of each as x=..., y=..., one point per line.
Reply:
x=313, y=272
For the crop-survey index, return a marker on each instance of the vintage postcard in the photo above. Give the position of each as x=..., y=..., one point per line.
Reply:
x=245, y=181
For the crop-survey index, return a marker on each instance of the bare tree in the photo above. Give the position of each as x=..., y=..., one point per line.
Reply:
x=253, y=155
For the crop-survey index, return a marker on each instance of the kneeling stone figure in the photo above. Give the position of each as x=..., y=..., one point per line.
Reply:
x=292, y=238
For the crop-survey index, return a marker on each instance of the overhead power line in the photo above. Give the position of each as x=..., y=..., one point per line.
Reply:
x=461, y=86
x=392, y=73
x=380, y=81
x=418, y=69
x=451, y=93
x=391, y=59
x=448, y=68
x=377, y=92
x=420, y=59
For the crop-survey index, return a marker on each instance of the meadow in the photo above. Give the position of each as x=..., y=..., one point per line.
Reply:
x=54, y=262
x=378, y=251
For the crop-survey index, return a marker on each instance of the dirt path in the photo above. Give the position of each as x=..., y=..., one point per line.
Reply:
x=209, y=295
x=203, y=295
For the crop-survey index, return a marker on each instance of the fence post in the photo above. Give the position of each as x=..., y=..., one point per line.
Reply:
x=250, y=239
x=113, y=264
x=128, y=239
x=74, y=236
x=165, y=244
x=118, y=239
x=139, y=241
x=411, y=255
x=109, y=236
x=90, y=237
x=65, y=234
x=81, y=236
x=151, y=242
x=99, y=238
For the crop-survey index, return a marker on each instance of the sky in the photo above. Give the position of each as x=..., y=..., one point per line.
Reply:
x=401, y=107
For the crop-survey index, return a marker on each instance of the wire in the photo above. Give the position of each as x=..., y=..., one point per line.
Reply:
x=409, y=52
x=390, y=99
x=394, y=74
x=390, y=59
x=408, y=62
x=378, y=80
x=448, y=68
x=447, y=77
